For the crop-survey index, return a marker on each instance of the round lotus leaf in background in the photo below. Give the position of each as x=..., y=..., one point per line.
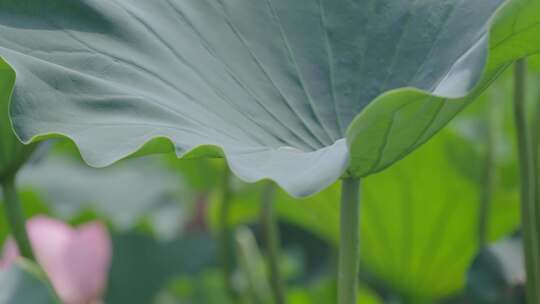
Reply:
x=300, y=92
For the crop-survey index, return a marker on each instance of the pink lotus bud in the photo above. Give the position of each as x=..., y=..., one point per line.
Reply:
x=77, y=260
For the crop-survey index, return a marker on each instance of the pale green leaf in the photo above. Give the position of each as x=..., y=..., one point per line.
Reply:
x=295, y=91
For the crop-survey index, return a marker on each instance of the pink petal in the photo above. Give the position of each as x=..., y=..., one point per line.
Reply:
x=9, y=255
x=77, y=261
x=49, y=238
x=86, y=263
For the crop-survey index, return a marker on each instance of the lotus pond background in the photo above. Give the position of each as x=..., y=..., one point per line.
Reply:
x=422, y=234
x=350, y=89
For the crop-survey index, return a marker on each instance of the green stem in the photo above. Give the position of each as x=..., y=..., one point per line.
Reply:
x=535, y=133
x=528, y=173
x=271, y=237
x=249, y=258
x=225, y=233
x=349, y=248
x=488, y=178
x=15, y=218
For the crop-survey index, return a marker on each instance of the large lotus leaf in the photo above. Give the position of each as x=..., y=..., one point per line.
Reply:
x=419, y=218
x=12, y=152
x=295, y=91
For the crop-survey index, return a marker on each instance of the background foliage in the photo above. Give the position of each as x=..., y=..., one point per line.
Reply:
x=424, y=236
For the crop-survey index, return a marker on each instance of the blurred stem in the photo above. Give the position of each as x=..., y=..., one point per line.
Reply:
x=249, y=259
x=535, y=133
x=15, y=218
x=225, y=232
x=489, y=176
x=271, y=236
x=349, y=247
x=528, y=173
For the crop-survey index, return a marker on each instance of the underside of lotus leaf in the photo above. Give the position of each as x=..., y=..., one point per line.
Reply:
x=12, y=152
x=301, y=92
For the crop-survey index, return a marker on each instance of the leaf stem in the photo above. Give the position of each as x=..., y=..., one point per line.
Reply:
x=349, y=248
x=529, y=183
x=488, y=177
x=271, y=236
x=225, y=241
x=257, y=289
x=15, y=218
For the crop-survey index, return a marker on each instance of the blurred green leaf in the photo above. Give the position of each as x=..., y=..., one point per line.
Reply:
x=24, y=283
x=126, y=193
x=324, y=292
x=197, y=174
x=497, y=275
x=195, y=289
x=419, y=221
x=142, y=266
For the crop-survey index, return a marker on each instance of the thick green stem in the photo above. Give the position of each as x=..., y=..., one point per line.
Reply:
x=272, y=240
x=349, y=247
x=15, y=218
x=529, y=202
x=225, y=233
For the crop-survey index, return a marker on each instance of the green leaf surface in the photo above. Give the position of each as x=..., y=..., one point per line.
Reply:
x=420, y=221
x=297, y=92
x=200, y=174
x=23, y=283
x=12, y=152
x=194, y=289
x=325, y=292
x=399, y=121
x=142, y=266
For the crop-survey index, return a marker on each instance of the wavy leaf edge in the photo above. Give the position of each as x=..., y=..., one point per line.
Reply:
x=164, y=144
